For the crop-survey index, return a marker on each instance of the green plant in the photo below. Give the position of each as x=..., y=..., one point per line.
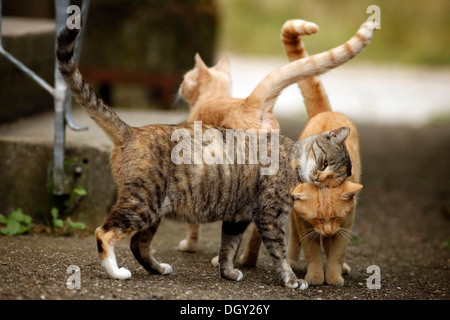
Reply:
x=446, y=244
x=16, y=223
x=66, y=227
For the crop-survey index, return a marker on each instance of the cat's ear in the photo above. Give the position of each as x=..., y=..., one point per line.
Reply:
x=202, y=68
x=349, y=190
x=223, y=64
x=340, y=134
x=300, y=192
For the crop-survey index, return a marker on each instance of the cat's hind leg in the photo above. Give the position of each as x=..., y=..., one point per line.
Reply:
x=130, y=214
x=231, y=237
x=105, y=245
x=250, y=255
x=140, y=246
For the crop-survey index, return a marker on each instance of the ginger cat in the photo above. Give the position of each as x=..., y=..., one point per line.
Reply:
x=208, y=92
x=315, y=195
x=321, y=214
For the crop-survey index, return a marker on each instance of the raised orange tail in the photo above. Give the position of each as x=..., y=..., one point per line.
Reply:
x=314, y=95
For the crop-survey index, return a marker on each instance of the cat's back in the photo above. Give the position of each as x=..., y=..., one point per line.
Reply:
x=329, y=120
x=232, y=113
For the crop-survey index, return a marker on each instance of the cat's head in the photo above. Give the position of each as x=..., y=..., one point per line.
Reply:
x=203, y=80
x=326, y=162
x=325, y=208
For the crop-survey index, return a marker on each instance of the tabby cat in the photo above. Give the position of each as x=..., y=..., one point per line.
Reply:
x=322, y=214
x=208, y=92
x=151, y=185
x=321, y=118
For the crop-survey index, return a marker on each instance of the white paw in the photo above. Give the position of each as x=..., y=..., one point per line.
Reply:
x=167, y=268
x=240, y=277
x=304, y=285
x=215, y=261
x=122, y=274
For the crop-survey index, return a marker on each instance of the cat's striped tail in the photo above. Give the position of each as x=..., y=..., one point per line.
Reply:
x=314, y=95
x=268, y=90
x=105, y=117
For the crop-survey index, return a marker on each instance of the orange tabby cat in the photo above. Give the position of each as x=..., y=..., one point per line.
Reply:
x=316, y=206
x=325, y=214
x=207, y=90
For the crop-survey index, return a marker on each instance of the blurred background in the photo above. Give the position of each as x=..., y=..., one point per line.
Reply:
x=136, y=51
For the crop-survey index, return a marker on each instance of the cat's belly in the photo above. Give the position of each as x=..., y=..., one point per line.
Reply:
x=188, y=212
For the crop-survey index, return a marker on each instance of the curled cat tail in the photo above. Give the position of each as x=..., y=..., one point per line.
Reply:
x=314, y=95
x=267, y=91
x=105, y=117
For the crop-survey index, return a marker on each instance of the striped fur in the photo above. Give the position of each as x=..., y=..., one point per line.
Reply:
x=323, y=215
x=314, y=95
x=151, y=185
x=106, y=118
x=270, y=87
x=312, y=202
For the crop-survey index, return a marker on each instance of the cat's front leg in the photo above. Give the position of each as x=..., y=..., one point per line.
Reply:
x=313, y=256
x=335, y=249
x=274, y=238
x=231, y=237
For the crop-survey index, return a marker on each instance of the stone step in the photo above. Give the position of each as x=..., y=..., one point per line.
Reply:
x=31, y=41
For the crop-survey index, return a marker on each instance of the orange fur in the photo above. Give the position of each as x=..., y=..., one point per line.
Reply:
x=325, y=214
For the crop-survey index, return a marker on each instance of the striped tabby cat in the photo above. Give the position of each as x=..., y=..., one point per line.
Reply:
x=151, y=185
x=208, y=92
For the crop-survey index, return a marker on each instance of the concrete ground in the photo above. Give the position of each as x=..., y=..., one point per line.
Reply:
x=402, y=223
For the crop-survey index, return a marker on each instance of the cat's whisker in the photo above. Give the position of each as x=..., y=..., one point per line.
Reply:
x=178, y=102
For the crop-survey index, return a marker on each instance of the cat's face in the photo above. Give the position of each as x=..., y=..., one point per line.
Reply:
x=326, y=162
x=203, y=80
x=326, y=209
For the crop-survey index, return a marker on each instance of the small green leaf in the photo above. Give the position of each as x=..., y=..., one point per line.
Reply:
x=58, y=223
x=77, y=225
x=79, y=191
x=54, y=212
x=17, y=215
x=3, y=219
x=12, y=228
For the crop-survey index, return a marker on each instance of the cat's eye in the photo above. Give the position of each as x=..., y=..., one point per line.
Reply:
x=325, y=164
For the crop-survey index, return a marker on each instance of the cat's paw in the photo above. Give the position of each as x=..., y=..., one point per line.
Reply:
x=167, y=269
x=335, y=280
x=215, y=261
x=296, y=283
x=346, y=269
x=187, y=245
x=314, y=278
x=233, y=274
x=121, y=274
